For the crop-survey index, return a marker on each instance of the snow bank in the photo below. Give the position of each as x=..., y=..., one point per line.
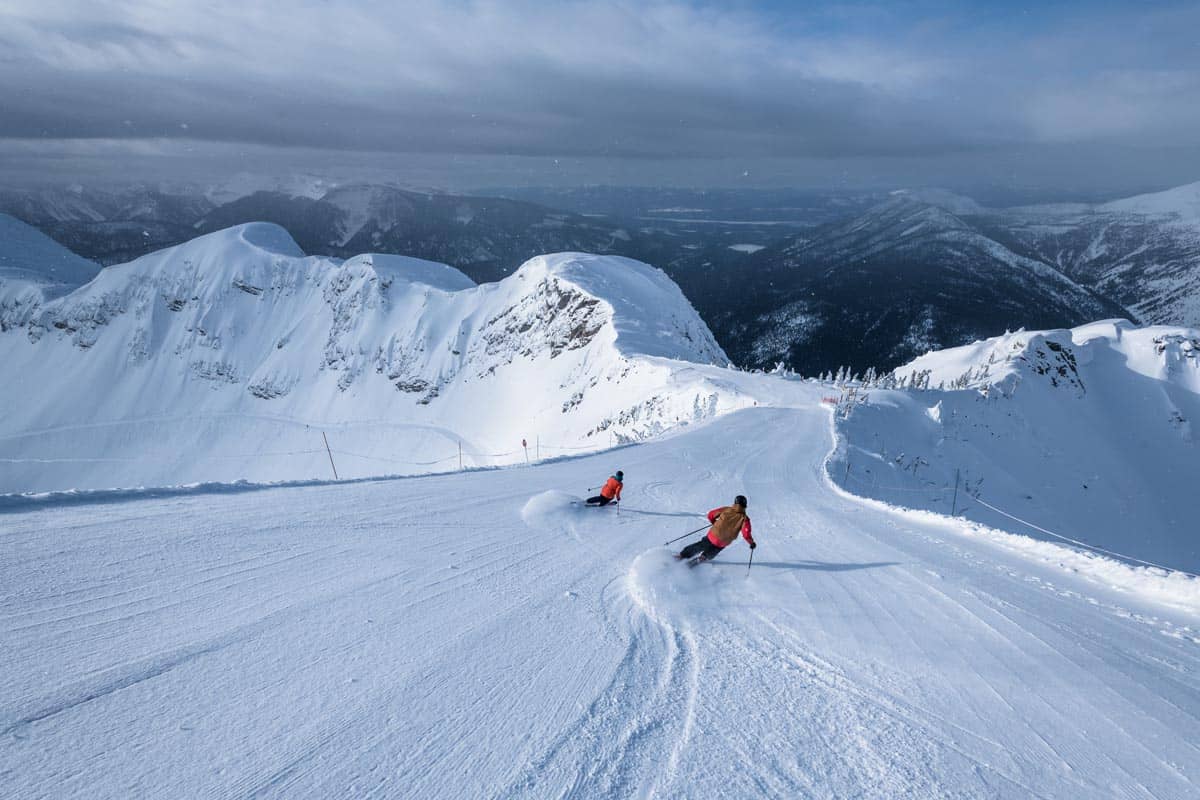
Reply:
x=1172, y=588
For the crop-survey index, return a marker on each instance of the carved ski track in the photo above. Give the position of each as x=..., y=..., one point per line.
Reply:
x=629, y=715
x=503, y=658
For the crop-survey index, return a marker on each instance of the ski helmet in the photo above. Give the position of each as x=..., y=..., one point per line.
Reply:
x=740, y=500
x=620, y=475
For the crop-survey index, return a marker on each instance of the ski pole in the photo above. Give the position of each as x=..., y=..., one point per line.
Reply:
x=689, y=533
x=750, y=563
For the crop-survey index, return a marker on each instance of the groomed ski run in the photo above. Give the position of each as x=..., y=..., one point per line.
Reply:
x=474, y=635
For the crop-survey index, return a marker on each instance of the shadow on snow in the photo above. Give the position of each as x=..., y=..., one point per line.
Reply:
x=819, y=566
x=688, y=514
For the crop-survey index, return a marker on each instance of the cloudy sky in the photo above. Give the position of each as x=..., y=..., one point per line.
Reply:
x=1079, y=96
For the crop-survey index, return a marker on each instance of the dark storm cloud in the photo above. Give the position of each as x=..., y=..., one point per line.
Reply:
x=592, y=80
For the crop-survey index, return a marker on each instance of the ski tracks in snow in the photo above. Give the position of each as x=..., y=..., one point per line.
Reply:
x=629, y=738
x=340, y=641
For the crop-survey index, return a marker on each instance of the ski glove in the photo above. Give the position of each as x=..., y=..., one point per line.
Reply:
x=753, y=545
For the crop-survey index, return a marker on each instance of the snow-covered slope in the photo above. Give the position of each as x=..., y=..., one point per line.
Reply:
x=1087, y=433
x=34, y=268
x=361, y=204
x=952, y=202
x=228, y=356
x=424, y=638
x=1181, y=202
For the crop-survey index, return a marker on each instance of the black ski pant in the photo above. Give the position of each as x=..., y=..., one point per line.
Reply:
x=702, y=548
x=599, y=500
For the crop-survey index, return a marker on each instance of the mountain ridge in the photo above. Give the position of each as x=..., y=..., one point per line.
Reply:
x=238, y=342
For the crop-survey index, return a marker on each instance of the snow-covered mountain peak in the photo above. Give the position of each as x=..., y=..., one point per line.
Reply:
x=405, y=358
x=264, y=236
x=1066, y=358
x=649, y=313
x=1181, y=202
x=237, y=249
x=944, y=199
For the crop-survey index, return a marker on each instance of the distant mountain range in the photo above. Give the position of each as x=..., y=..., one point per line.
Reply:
x=485, y=237
x=1142, y=252
x=813, y=280
x=900, y=279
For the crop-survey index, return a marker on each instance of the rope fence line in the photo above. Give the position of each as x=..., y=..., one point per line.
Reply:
x=153, y=458
x=392, y=460
x=459, y=455
x=974, y=496
x=339, y=451
x=1085, y=544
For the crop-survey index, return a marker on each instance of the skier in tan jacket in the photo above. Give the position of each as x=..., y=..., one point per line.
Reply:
x=727, y=523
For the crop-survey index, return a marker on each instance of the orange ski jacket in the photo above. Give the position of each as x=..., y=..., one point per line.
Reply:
x=612, y=488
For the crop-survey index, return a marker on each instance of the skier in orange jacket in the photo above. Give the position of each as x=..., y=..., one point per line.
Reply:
x=727, y=523
x=610, y=491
